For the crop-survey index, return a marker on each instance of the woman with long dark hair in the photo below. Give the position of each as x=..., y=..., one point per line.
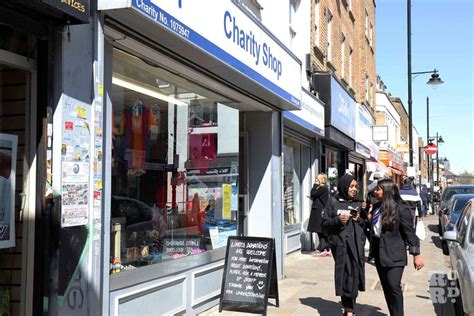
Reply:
x=345, y=227
x=392, y=230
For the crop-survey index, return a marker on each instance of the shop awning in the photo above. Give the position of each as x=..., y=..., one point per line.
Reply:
x=392, y=171
x=375, y=166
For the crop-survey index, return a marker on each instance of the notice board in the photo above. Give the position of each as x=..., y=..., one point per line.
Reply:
x=250, y=275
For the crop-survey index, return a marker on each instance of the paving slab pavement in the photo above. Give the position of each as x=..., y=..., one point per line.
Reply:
x=308, y=285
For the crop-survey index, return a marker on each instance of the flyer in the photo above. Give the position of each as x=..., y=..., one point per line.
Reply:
x=226, y=196
x=75, y=193
x=76, y=159
x=8, y=152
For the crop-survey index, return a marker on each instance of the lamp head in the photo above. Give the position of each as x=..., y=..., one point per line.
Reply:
x=440, y=140
x=435, y=80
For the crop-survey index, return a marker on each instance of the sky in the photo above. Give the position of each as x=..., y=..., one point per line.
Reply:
x=442, y=38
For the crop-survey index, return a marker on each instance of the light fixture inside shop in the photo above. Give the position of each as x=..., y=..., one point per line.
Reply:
x=139, y=87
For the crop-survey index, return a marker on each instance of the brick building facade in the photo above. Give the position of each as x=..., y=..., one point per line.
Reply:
x=343, y=41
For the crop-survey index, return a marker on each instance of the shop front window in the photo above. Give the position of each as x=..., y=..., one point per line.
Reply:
x=334, y=168
x=174, y=166
x=291, y=182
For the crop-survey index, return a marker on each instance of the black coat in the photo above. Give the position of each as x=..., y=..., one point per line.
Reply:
x=391, y=249
x=347, y=245
x=320, y=196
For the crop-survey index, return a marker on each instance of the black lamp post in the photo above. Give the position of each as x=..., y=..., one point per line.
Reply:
x=439, y=140
x=434, y=81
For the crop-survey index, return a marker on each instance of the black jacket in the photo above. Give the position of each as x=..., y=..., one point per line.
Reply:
x=347, y=245
x=320, y=196
x=392, y=245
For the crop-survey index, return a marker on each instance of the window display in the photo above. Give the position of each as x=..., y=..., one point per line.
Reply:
x=174, y=166
x=291, y=182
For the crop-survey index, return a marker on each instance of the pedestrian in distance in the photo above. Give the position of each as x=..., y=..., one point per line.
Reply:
x=319, y=195
x=425, y=200
x=391, y=232
x=409, y=194
x=345, y=227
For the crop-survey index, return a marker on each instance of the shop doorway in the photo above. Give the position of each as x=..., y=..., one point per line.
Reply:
x=296, y=187
x=17, y=180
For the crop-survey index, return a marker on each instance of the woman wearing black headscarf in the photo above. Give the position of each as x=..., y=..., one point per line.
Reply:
x=346, y=238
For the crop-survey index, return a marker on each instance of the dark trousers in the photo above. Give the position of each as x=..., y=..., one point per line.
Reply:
x=348, y=303
x=323, y=242
x=390, y=279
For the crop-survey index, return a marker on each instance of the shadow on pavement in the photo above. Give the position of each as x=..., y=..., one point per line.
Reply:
x=436, y=241
x=433, y=228
x=330, y=308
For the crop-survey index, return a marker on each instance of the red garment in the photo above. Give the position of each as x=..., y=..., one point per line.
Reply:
x=139, y=125
x=202, y=150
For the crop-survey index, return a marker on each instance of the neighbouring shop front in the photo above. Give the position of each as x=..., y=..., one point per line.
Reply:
x=340, y=125
x=27, y=62
x=191, y=150
x=394, y=164
x=302, y=135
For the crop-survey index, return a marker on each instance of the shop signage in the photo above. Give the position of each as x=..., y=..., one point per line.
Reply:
x=364, y=125
x=380, y=133
x=233, y=37
x=343, y=109
x=363, y=150
x=79, y=9
x=249, y=275
x=311, y=115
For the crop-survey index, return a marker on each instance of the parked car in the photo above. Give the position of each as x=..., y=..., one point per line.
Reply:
x=447, y=194
x=451, y=214
x=461, y=249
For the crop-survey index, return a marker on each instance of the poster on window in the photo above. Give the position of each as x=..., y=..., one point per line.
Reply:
x=8, y=151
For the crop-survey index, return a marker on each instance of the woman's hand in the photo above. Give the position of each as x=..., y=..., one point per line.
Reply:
x=418, y=262
x=343, y=218
x=356, y=216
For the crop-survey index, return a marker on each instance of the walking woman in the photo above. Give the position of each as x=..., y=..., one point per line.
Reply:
x=346, y=238
x=319, y=196
x=392, y=230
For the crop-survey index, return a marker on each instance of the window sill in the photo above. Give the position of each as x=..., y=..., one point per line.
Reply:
x=319, y=52
x=351, y=16
x=351, y=90
x=292, y=32
x=343, y=80
x=331, y=65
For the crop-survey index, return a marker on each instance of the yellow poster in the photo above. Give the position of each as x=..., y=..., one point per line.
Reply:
x=226, y=200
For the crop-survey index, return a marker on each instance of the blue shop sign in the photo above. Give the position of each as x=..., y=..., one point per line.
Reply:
x=343, y=109
x=229, y=34
x=311, y=115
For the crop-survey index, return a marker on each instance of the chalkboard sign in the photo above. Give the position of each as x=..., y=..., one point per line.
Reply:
x=178, y=246
x=250, y=276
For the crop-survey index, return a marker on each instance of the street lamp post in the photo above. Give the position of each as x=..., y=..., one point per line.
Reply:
x=434, y=80
x=439, y=139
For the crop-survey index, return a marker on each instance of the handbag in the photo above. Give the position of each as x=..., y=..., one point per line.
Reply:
x=420, y=230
